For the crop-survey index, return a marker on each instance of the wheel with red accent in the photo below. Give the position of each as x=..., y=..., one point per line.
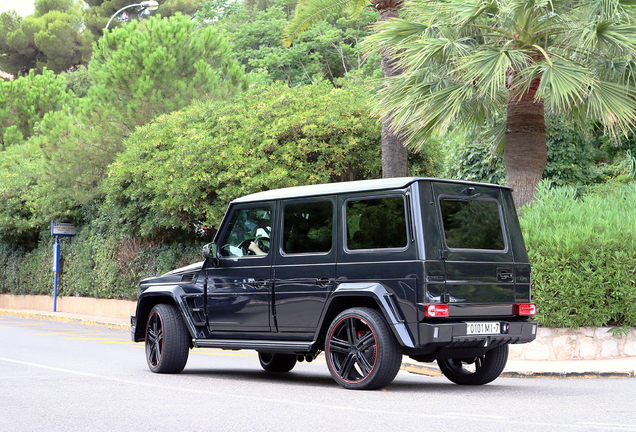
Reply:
x=361, y=350
x=478, y=370
x=167, y=340
x=277, y=362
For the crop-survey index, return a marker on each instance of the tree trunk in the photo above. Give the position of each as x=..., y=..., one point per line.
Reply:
x=394, y=150
x=526, y=151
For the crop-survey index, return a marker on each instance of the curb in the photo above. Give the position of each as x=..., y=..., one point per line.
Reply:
x=435, y=372
x=96, y=322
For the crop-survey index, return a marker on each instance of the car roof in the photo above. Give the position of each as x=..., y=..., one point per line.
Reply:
x=346, y=187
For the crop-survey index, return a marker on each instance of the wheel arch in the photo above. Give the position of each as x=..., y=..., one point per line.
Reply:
x=373, y=296
x=152, y=297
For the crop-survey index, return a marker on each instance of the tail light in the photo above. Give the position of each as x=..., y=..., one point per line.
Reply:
x=524, y=309
x=436, y=310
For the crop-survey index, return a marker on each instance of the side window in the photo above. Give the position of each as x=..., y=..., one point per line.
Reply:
x=472, y=224
x=308, y=227
x=378, y=223
x=248, y=233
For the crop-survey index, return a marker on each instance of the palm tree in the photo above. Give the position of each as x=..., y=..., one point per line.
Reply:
x=465, y=60
x=308, y=12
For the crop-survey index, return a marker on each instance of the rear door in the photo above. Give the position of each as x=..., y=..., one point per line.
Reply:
x=475, y=247
x=305, y=262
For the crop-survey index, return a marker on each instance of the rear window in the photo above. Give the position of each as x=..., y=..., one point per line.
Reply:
x=472, y=224
x=378, y=223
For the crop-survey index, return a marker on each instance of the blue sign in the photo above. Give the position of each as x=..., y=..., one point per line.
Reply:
x=62, y=229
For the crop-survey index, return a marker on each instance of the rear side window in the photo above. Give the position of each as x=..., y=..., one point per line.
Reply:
x=308, y=227
x=378, y=223
x=472, y=224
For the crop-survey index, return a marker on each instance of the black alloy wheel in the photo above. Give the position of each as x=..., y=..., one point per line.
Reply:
x=362, y=352
x=477, y=370
x=167, y=340
x=277, y=362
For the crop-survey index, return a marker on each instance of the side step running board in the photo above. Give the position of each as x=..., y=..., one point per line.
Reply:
x=258, y=345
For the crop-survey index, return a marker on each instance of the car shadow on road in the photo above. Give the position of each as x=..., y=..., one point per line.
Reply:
x=311, y=379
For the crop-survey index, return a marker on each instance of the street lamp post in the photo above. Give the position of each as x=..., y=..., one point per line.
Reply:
x=149, y=4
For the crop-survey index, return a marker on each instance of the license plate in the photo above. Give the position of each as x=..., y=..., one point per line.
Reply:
x=480, y=328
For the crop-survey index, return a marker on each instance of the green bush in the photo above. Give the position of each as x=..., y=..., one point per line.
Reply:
x=582, y=247
x=575, y=157
x=179, y=172
x=92, y=265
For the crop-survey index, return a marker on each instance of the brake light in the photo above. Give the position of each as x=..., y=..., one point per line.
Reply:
x=436, y=310
x=525, y=309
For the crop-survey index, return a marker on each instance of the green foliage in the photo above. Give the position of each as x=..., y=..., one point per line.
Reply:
x=576, y=156
x=24, y=102
x=53, y=37
x=78, y=81
x=99, y=12
x=179, y=173
x=19, y=168
x=583, y=254
x=331, y=50
x=142, y=70
x=464, y=61
x=150, y=67
x=91, y=265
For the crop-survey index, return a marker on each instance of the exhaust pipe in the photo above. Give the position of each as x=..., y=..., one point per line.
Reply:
x=300, y=358
x=309, y=358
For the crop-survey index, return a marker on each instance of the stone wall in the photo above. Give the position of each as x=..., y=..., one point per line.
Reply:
x=586, y=343
x=119, y=309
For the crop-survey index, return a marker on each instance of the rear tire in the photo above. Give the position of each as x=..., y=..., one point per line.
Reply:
x=486, y=368
x=361, y=350
x=277, y=363
x=167, y=340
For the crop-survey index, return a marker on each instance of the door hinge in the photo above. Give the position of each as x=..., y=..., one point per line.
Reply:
x=443, y=254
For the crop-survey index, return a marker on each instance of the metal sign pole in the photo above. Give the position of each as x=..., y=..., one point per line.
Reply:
x=57, y=230
x=56, y=270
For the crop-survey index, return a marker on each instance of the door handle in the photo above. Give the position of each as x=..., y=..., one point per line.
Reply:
x=261, y=283
x=504, y=275
x=325, y=281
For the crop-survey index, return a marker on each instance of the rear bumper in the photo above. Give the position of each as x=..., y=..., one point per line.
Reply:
x=453, y=335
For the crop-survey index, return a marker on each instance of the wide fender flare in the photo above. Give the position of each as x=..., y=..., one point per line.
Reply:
x=153, y=295
x=385, y=300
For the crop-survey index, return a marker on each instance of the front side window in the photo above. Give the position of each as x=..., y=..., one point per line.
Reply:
x=378, y=223
x=248, y=233
x=308, y=228
x=472, y=224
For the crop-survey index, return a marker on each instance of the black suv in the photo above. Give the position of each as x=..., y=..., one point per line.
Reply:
x=365, y=271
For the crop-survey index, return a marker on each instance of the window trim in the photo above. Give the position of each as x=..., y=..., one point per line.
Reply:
x=407, y=220
x=334, y=224
x=502, y=224
x=230, y=215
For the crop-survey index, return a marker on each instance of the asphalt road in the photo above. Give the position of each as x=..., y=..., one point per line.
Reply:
x=63, y=377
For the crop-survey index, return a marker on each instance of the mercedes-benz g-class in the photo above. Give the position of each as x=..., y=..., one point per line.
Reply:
x=366, y=271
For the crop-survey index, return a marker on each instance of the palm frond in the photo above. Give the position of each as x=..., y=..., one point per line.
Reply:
x=564, y=84
x=312, y=11
x=614, y=104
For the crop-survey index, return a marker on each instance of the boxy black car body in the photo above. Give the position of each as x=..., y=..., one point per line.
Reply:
x=366, y=271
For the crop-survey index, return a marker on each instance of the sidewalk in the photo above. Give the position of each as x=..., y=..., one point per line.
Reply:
x=610, y=368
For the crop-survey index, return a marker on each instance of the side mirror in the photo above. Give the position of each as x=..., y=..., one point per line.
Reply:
x=209, y=250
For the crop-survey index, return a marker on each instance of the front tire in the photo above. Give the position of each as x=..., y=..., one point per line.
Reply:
x=361, y=350
x=478, y=370
x=277, y=363
x=167, y=340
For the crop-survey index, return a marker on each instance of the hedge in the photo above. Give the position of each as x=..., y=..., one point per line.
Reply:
x=582, y=246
